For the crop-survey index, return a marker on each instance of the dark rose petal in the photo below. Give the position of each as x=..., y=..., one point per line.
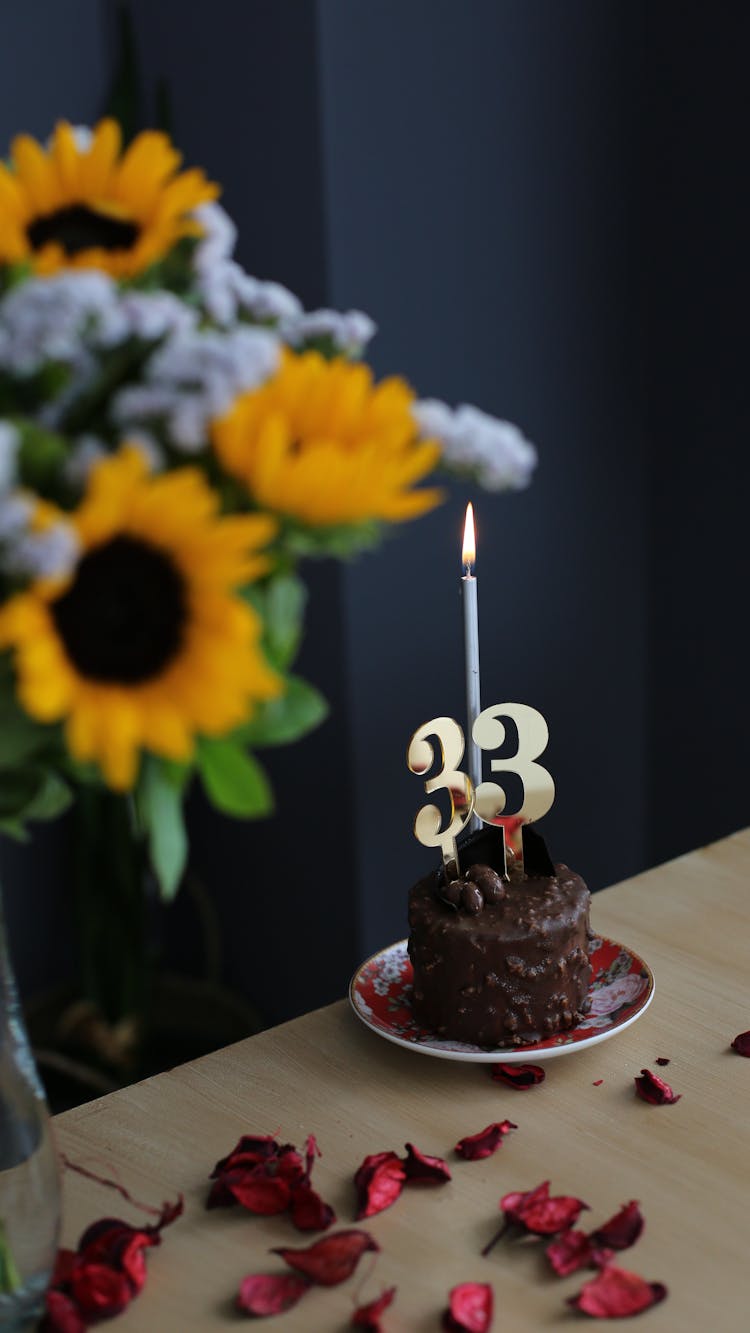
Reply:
x=514, y=1204
x=598, y=1082
x=62, y=1314
x=470, y=1309
x=64, y=1265
x=220, y=1195
x=741, y=1044
x=99, y=1291
x=423, y=1170
x=662, y=1060
x=378, y=1181
x=654, y=1090
x=518, y=1076
x=250, y=1150
x=614, y=1294
x=119, y=1246
x=288, y=1165
x=309, y=1212
x=331, y=1260
x=622, y=1230
x=477, y=1146
x=265, y=1293
x=368, y=1316
x=258, y=1193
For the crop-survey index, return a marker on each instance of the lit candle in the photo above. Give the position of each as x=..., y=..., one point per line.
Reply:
x=471, y=642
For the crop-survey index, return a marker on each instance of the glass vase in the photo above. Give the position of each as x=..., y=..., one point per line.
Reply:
x=29, y=1171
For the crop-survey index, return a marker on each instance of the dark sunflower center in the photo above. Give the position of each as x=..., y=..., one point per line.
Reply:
x=78, y=228
x=123, y=617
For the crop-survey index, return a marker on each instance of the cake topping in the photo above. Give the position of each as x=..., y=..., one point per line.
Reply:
x=471, y=898
x=488, y=880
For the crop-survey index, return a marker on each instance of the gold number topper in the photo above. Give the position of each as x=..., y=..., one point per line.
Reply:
x=489, y=799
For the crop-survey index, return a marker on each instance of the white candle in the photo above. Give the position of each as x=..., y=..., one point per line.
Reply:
x=471, y=643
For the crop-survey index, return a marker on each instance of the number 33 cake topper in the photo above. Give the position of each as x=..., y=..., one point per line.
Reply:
x=488, y=799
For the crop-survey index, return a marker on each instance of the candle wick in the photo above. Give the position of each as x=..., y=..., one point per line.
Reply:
x=467, y=567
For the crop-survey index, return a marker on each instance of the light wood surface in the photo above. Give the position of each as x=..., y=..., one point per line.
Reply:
x=688, y=1164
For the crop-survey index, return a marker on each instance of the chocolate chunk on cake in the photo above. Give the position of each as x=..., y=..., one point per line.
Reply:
x=499, y=962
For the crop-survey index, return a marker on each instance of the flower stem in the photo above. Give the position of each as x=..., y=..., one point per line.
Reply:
x=10, y=1278
x=497, y=1236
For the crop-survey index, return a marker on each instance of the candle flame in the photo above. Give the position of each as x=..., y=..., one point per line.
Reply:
x=469, y=552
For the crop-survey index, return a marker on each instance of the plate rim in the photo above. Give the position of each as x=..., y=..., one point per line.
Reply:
x=501, y=1054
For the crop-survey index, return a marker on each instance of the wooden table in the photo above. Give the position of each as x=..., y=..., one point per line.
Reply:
x=688, y=1164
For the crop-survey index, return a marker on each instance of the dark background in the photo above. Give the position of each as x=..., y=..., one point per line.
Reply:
x=544, y=207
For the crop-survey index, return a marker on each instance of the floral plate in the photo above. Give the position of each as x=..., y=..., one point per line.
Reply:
x=622, y=988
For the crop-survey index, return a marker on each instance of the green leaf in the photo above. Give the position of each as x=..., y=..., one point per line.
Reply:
x=285, y=600
x=281, y=721
x=30, y=793
x=234, y=781
x=159, y=799
x=51, y=798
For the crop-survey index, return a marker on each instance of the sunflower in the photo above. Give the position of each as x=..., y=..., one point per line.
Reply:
x=81, y=204
x=145, y=643
x=321, y=442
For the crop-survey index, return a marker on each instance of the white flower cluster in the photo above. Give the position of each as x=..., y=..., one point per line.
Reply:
x=228, y=293
x=493, y=452
x=193, y=378
x=25, y=553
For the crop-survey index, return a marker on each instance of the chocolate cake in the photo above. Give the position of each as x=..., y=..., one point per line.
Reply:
x=500, y=962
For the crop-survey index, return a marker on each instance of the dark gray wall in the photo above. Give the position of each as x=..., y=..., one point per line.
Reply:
x=483, y=210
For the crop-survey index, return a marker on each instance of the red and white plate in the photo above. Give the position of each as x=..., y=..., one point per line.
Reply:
x=622, y=988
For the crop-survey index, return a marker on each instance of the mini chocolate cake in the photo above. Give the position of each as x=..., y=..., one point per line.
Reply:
x=500, y=962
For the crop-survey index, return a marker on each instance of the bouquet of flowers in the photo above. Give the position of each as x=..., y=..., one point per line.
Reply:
x=175, y=436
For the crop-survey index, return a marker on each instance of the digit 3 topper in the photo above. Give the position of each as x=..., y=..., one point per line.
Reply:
x=488, y=799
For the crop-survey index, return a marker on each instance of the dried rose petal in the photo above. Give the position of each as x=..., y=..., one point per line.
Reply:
x=614, y=1293
x=622, y=1230
x=250, y=1150
x=378, y=1181
x=311, y=1152
x=518, y=1076
x=470, y=1308
x=99, y=1291
x=536, y=1213
x=119, y=1246
x=288, y=1165
x=259, y=1193
x=266, y=1293
x=741, y=1044
x=573, y=1250
x=309, y=1212
x=598, y=1082
x=331, y=1260
x=484, y=1144
x=62, y=1314
x=654, y=1090
x=662, y=1060
x=368, y=1316
x=423, y=1170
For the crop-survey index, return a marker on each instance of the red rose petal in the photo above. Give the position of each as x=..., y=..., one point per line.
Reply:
x=662, y=1060
x=518, y=1076
x=470, y=1309
x=535, y=1211
x=598, y=1082
x=99, y=1291
x=309, y=1212
x=368, y=1316
x=741, y=1044
x=265, y=1293
x=62, y=1314
x=423, y=1170
x=311, y=1152
x=622, y=1230
x=261, y=1194
x=484, y=1144
x=64, y=1265
x=378, y=1181
x=614, y=1294
x=331, y=1260
x=653, y=1089
x=571, y=1251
